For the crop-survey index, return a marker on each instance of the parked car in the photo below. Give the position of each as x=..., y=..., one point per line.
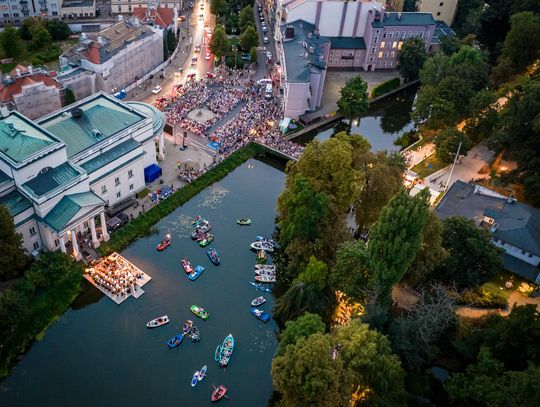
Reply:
x=264, y=29
x=246, y=57
x=194, y=61
x=198, y=48
x=156, y=90
x=265, y=40
x=268, y=55
x=201, y=17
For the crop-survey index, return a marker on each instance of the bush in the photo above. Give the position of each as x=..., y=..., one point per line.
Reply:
x=407, y=139
x=482, y=298
x=385, y=87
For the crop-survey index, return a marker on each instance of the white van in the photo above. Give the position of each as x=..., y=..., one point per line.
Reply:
x=268, y=92
x=264, y=81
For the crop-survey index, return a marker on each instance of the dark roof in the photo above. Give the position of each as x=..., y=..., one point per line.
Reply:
x=404, y=19
x=441, y=30
x=109, y=156
x=4, y=177
x=520, y=267
x=15, y=203
x=51, y=179
x=347, y=42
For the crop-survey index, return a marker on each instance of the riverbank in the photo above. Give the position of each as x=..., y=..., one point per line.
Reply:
x=28, y=309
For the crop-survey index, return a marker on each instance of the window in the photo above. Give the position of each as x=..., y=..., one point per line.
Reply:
x=400, y=44
x=118, y=194
x=130, y=173
x=392, y=54
x=36, y=245
x=441, y=4
x=117, y=181
x=380, y=54
x=104, y=189
x=383, y=44
x=56, y=242
x=384, y=35
x=32, y=231
x=523, y=252
x=377, y=32
x=373, y=50
x=390, y=35
x=119, y=9
x=530, y=255
x=438, y=13
x=386, y=54
x=131, y=187
x=422, y=35
x=371, y=59
x=394, y=45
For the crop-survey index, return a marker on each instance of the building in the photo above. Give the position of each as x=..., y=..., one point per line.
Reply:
x=127, y=6
x=15, y=11
x=162, y=17
x=74, y=9
x=119, y=55
x=80, y=81
x=444, y=10
x=515, y=226
x=32, y=93
x=60, y=174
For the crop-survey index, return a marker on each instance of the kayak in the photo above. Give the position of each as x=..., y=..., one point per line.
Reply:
x=209, y=238
x=260, y=314
x=213, y=255
x=175, y=341
x=186, y=265
x=196, y=273
x=218, y=393
x=195, y=378
x=244, y=221
x=260, y=287
x=226, y=351
x=187, y=326
x=158, y=322
x=266, y=279
x=195, y=334
x=202, y=373
x=258, y=301
x=200, y=312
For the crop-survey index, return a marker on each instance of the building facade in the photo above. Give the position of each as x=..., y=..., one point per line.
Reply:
x=127, y=6
x=15, y=11
x=75, y=9
x=444, y=10
x=60, y=174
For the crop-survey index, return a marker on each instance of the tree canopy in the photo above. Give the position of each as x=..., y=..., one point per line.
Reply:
x=219, y=44
x=447, y=143
x=411, y=58
x=245, y=18
x=353, y=101
x=306, y=325
x=12, y=257
x=11, y=42
x=249, y=38
x=350, y=273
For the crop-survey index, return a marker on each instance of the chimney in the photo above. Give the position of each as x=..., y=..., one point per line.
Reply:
x=76, y=112
x=100, y=40
x=311, y=50
x=18, y=71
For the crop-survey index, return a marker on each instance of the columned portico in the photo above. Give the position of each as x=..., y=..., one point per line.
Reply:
x=95, y=241
x=161, y=147
x=62, y=244
x=76, y=252
x=106, y=236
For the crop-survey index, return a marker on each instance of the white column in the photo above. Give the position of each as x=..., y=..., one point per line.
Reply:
x=104, y=227
x=161, y=146
x=76, y=252
x=62, y=245
x=95, y=241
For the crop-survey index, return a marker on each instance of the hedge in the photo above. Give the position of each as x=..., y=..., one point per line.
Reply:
x=141, y=225
x=385, y=87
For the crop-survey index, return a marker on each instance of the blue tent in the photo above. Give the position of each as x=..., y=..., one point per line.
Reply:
x=152, y=172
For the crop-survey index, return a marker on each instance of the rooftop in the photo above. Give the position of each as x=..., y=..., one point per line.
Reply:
x=441, y=30
x=164, y=15
x=110, y=155
x=402, y=19
x=8, y=90
x=102, y=117
x=68, y=207
x=78, y=3
x=15, y=202
x=20, y=138
x=347, y=42
x=51, y=179
x=157, y=116
x=299, y=60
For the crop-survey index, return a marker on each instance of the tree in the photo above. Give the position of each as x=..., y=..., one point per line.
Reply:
x=25, y=32
x=171, y=40
x=249, y=38
x=411, y=58
x=70, y=97
x=350, y=274
x=450, y=44
x=58, y=29
x=253, y=55
x=353, y=101
x=41, y=38
x=308, y=375
x=315, y=274
x=306, y=325
x=472, y=259
x=467, y=15
x=447, y=144
x=219, y=7
x=11, y=42
x=395, y=239
x=245, y=18
x=12, y=257
x=483, y=117
x=219, y=44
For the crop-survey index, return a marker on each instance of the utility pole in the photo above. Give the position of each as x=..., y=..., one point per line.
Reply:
x=453, y=166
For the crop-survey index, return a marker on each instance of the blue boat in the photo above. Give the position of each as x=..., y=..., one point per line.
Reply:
x=260, y=287
x=196, y=273
x=175, y=341
x=195, y=379
x=213, y=255
x=260, y=314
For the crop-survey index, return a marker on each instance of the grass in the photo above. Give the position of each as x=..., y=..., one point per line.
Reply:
x=423, y=170
x=142, y=225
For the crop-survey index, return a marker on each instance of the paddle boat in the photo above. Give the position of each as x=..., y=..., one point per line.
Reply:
x=224, y=352
x=218, y=393
x=200, y=312
x=160, y=321
x=260, y=314
x=213, y=255
x=165, y=242
x=270, y=273
x=260, y=287
x=195, y=378
x=207, y=240
x=266, y=279
x=175, y=341
x=196, y=273
x=244, y=221
x=195, y=334
x=199, y=231
x=258, y=301
x=186, y=265
x=187, y=326
x=202, y=373
x=263, y=244
x=265, y=266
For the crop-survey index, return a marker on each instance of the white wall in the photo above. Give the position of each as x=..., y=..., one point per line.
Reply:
x=30, y=171
x=28, y=240
x=296, y=98
x=516, y=252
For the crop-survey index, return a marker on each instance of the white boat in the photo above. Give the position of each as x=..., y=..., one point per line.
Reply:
x=265, y=245
x=265, y=266
x=270, y=273
x=158, y=322
x=266, y=279
x=258, y=301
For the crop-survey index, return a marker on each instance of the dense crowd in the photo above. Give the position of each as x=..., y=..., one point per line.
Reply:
x=116, y=275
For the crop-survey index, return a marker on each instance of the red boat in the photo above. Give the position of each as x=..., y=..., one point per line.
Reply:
x=218, y=393
x=163, y=245
x=186, y=265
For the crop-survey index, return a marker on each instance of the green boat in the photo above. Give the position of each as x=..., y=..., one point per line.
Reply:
x=207, y=240
x=244, y=221
x=200, y=312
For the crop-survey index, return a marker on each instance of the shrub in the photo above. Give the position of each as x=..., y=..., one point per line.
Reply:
x=407, y=139
x=385, y=87
x=482, y=298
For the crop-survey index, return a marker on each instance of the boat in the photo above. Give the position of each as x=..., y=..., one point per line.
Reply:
x=175, y=341
x=261, y=257
x=202, y=236
x=195, y=334
x=244, y=221
x=158, y=322
x=197, y=220
x=199, y=231
x=258, y=301
x=263, y=272
x=266, y=279
x=265, y=266
x=263, y=244
x=213, y=255
x=195, y=378
x=217, y=353
x=186, y=265
x=165, y=242
x=187, y=326
x=202, y=373
x=200, y=312
x=207, y=240
x=259, y=286
x=225, y=351
x=218, y=393
x=260, y=314
x=196, y=273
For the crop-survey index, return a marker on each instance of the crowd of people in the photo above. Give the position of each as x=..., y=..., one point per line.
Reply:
x=116, y=275
x=189, y=174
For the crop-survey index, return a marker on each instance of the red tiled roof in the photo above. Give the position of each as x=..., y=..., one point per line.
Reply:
x=164, y=18
x=22, y=70
x=7, y=92
x=92, y=53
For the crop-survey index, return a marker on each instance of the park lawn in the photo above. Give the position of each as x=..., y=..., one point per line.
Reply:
x=423, y=170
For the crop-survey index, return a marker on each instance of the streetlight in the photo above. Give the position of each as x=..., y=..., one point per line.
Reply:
x=235, y=49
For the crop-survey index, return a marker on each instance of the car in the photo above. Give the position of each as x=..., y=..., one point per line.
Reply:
x=265, y=40
x=191, y=76
x=208, y=56
x=156, y=90
x=197, y=48
x=246, y=57
x=210, y=75
x=268, y=55
x=264, y=81
x=178, y=72
x=264, y=29
x=201, y=17
x=261, y=18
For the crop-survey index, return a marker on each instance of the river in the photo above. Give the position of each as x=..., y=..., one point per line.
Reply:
x=99, y=353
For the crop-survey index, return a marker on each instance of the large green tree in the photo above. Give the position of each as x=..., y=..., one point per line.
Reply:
x=395, y=239
x=353, y=101
x=350, y=274
x=483, y=118
x=447, y=143
x=411, y=58
x=11, y=42
x=245, y=18
x=219, y=44
x=249, y=38
x=58, y=29
x=12, y=257
x=41, y=38
x=306, y=325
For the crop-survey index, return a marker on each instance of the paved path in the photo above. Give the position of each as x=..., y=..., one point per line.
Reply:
x=416, y=156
